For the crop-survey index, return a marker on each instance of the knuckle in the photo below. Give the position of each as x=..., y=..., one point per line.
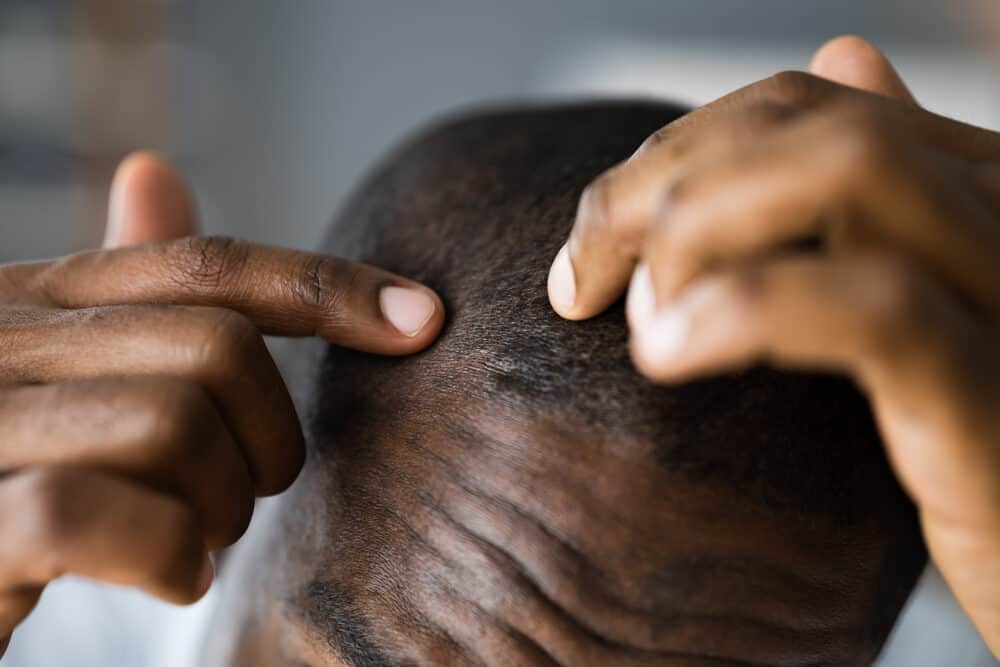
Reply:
x=795, y=88
x=595, y=212
x=205, y=261
x=765, y=114
x=224, y=341
x=677, y=194
x=655, y=139
x=606, y=220
x=50, y=279
x=171, y=413
x=895, y=302
x=679, y=218
x=866, y=145
x=744, y=289
x=322, y=281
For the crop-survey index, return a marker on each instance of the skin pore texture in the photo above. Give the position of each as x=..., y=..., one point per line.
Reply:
x=519, y=495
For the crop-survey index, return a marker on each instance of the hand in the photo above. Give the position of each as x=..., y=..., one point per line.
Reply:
x=899, y=288
x=140, y=410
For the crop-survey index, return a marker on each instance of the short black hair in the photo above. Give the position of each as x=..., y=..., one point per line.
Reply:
x=476, y=208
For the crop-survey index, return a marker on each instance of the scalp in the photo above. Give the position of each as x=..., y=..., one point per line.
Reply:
x=476, y=207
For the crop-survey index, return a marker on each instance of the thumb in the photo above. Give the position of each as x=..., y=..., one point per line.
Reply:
x=149, y=202
x=853, y=61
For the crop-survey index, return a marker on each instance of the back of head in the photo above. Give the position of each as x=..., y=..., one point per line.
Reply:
x=518, y=494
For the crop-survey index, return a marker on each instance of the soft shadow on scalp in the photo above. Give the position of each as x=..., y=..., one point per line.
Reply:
x=745, y=519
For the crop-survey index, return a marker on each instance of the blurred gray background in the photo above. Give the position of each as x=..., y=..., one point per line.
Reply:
x=275, y=109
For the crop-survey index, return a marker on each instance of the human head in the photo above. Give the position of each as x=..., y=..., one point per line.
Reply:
x=518, y=494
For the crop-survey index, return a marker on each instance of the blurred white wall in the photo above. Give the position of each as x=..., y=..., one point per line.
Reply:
x=958, y=82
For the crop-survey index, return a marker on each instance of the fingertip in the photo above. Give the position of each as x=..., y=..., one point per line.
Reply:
x=562, y=285
x=407, y=318
x=414, y=313
x=835, y=50
x=658, y=343
x=143, y=160
x=432, y=328
x=138, y=171
x=407, y=309
x=640, y=304
x=854, y=61
x=565, y=297
x=149, y=202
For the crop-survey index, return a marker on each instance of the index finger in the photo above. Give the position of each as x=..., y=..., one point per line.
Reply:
x=593, y=268
x=284, y=292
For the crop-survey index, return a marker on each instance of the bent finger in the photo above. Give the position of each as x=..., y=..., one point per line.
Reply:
x=874, y=187
x=162, y=432
x=616, y=210
x=215, y=348
x=896, y=331
x=59, y=521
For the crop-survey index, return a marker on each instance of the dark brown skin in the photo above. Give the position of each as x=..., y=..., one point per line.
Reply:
x=564, y=579
x=169, y=332
x=903, y=297
x=626, y=519
x=141, y=412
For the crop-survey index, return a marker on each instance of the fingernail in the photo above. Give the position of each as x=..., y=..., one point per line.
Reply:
x=206, y=576
x=664, y=337
x=562, y=282
x=640, y=304
x=406, y=309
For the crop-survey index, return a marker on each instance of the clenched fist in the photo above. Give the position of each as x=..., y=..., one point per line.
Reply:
x=140, y=411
